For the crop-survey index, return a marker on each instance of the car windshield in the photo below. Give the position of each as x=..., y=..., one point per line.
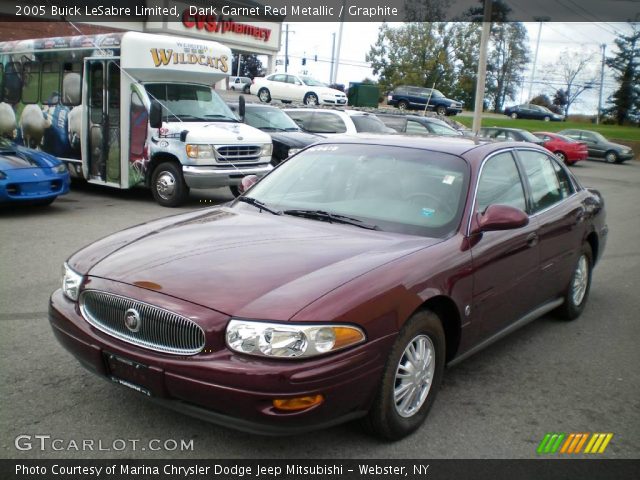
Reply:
x=442, y=128
x=395, y=189
x=189, y=103
x=269, y=118
x=599, y=136
x=436, y=94
x=528, y=136
x=566, y=139
x=312, y=82
x=370, y=124
x=6, y=145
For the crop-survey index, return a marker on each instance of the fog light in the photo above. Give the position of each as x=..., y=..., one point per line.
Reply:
x=299, y=403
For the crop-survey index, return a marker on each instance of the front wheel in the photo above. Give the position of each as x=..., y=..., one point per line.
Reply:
x=403, y=105
x=410, y=379
x=611, y=157
x=514, y=115
x=168, y=186
x=264, y=95
x=547, y=119
x=311, y=99
x=577, y=292
x=441, y=110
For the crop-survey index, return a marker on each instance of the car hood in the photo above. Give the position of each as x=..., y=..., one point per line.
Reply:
x=223, y=132
x=327, y=91
x=295, y=139
x=618, y=146
x=20, y=157
x=245, y=263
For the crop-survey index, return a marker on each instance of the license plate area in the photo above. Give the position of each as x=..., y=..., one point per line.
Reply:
x=131, y=374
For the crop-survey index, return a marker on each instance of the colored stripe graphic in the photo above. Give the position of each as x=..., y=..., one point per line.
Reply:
x=572, y=443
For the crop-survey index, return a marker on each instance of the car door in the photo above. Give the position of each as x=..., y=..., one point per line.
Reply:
x=595, y=149
x=505, y=263
x=559, y=217
x=293, y=89
x=277, y=85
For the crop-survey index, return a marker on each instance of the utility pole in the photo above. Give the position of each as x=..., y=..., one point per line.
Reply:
x=335, y=70
x=535, y=55
x=604, y=48
x=286, y=49
x=482, y=67
x=333, y=56
x=239, y=61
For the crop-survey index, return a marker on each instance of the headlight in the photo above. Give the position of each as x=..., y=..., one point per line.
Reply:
x=266, y=150
x=293, y=151
x=200, y=151
x=71, y=282
x=60, y=168
x=283, y=340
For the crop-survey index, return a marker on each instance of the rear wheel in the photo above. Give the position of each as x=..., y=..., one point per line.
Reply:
x=411, y=378
x=168, y=186
x=611, y=157
x=562, y=157
x=403, y=105
x=547, y=119
x=577, y=293
x=311, y=99
x=264, y=95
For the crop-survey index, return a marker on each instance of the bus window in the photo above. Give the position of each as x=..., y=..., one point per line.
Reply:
x=12, y=83
x=50, y=86
x=113, y=94
x=96, y=90
x=71, y=84
x=31, y=82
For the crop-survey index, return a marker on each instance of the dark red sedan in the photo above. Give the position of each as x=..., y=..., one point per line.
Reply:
x=568, y=150
x=338, y=286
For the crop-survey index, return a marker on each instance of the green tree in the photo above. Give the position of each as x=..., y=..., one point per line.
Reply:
x=626, y=67
x=415, y=53
x=250, y=66
x=466, y=45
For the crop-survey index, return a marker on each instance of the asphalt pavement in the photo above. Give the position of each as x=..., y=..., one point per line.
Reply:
x=550, y=376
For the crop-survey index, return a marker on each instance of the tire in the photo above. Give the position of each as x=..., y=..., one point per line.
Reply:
x=264, y=95
x=311, y=99
x=403, y=105
x=168, y=186
x=577, y=293
x=514, y=115
x=547, y=119
x=441, y=110
x=246, y=89
x=386, y=418
x=562, y=157
x=611, y=157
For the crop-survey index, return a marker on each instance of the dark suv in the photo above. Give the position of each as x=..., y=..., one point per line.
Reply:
x=416, y=98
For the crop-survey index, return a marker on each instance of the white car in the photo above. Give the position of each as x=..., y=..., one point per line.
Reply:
x=334, y=122
x=296, y=88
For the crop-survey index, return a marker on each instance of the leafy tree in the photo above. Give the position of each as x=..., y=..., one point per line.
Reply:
x=575, y=74
x=250, y=66
x=626, y=67
x=415, y=53
x=466, y=44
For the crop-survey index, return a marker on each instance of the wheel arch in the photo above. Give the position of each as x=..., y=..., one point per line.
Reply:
x=594, y=243
x=156, y=160
x=447, y=310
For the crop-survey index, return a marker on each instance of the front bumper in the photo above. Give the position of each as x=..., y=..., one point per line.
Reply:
x=225, y=388
x=24, y=186
x=221, y=176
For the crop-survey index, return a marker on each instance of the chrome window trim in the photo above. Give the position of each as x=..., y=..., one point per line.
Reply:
x=133, y=341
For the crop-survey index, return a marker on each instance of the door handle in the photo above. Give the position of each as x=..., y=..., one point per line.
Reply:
x=532, y=239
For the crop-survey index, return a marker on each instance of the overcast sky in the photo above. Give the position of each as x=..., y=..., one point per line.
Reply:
x=310, y=39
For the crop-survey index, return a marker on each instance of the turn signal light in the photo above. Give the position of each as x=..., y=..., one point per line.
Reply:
x=299, y=403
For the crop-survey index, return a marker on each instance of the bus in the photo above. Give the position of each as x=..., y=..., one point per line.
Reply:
x=130, y=109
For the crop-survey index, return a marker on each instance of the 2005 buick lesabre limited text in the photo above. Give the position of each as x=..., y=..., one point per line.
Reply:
x=338, y=286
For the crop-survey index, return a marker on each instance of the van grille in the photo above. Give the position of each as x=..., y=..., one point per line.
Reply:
x=157, y=329
x=238, y=153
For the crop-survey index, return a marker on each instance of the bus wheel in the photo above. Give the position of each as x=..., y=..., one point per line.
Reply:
x=168, y=186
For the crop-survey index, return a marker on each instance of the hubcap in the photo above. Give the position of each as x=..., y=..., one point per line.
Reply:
x=312, y=100
x=264, y=96
x=166, y=185
x=414, y=376
x=580, y=280
x=611, y=157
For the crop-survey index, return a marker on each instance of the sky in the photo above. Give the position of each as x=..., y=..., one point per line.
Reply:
x=309, y=39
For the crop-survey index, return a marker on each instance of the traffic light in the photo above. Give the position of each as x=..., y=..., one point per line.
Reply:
x=304, y=61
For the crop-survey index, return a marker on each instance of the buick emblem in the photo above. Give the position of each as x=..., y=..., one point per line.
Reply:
x=132, y=320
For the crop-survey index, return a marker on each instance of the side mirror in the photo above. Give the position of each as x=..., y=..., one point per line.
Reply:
x=241, y=107
x=155, y=114
x=247, y=182
x=499, y=217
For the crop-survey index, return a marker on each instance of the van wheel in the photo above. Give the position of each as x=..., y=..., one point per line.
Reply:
x=577, y=293
x=264, y=95
x=168, y=185
x=410, y=379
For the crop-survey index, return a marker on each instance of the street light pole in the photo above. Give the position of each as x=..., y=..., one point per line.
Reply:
x=535, y=55
x=482, y=67
x=333, y=56
x=604, y=48
x=286, y=49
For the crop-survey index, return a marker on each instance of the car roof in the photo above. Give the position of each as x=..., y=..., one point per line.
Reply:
x=506, y=128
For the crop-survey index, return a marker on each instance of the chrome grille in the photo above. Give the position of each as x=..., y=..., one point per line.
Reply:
x=159, y=329
x=238, y=153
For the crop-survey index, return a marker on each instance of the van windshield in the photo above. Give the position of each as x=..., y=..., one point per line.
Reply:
x=189, y=103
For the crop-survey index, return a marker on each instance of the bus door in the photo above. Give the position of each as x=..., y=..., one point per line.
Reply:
x=103, y=120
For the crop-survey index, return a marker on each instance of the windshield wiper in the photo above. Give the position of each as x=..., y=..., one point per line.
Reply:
x=258, y=204
x=277, y=129
x=330, y=217
x=224, y=117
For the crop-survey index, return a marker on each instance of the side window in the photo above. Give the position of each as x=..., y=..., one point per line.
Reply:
x=544, y=183
x=566, y=185
x=302, y=118
x=50, y=86
x=12, y=82
x=500, y=184
x=416, y=127
x=325, y=122
x=30, y=82
x=397, y=123
x=291, y=79
x=72, y=84
x=278, y=78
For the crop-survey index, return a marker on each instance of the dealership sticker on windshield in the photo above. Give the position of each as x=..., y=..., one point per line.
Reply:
x=448, y=179
x=428, y=212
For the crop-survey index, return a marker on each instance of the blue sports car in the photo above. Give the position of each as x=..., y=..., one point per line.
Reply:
x=30, y=176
